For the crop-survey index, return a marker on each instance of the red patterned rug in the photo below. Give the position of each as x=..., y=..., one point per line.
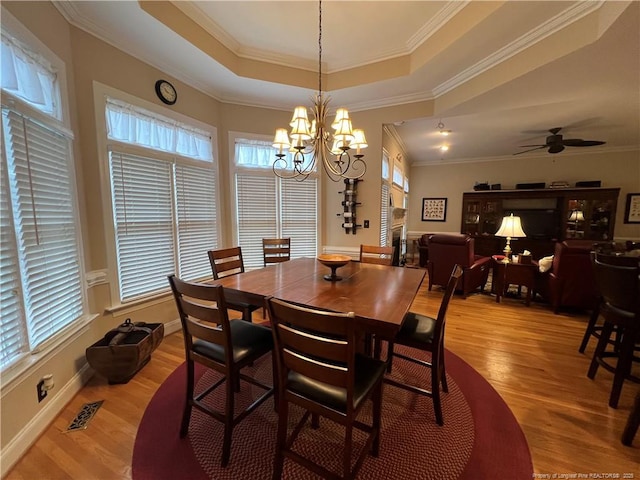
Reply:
x=480, y=439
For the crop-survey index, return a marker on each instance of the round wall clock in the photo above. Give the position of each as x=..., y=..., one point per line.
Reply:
x=166, y=92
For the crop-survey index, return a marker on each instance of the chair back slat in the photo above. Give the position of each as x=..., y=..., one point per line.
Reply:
x=456, y=273
x=225, y=262
x=203, y=313
x=317, y=344
x=376, y=254
x=276, y=250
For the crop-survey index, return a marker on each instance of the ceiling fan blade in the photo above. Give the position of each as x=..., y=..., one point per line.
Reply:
x=538, y=147
x=584, y=143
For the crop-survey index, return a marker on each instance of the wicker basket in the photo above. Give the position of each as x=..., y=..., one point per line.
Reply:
x=120, y=362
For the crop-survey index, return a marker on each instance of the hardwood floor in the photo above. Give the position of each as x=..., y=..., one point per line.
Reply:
x=529, y=355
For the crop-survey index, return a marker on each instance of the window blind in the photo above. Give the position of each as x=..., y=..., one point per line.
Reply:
x=42, y=197
x=384, y=214
x=12, y=332
x=257, y=209
x=197, y=219
x=142, y=206
x=299, y=215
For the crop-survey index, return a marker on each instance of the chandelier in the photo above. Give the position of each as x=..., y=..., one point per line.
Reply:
x=313, y=143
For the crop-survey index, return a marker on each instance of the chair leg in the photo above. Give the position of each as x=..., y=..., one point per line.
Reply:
x=315, y=421
x=246, y=314
x=281, y=439
x=443, y=373
x=605, y=334
x=623, y=369
x=228, y=420
x=589, y=331
x=377, y=416
x=346, y=458
x=390, y=356
x=435, y=387
x=631, y=428
x=186, y=414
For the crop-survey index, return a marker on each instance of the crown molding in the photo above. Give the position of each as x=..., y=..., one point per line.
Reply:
x=554, y=25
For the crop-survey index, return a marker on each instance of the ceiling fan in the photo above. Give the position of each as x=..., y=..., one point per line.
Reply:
x=555, y=143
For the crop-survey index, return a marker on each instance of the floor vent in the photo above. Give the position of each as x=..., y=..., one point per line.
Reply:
x=84, y=416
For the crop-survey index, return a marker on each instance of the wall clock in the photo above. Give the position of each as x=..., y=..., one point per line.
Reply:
x=166, y=92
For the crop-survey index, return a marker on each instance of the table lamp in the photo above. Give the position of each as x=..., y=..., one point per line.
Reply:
x=511, y=228
x=575, y=217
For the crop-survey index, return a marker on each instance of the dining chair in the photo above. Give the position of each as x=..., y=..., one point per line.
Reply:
x=594, y=329
x=225, y=262
x=619, y=288
x=276, y=250
x=376, y=254
x=318, y=369
x=426, y=334
x=223, y=345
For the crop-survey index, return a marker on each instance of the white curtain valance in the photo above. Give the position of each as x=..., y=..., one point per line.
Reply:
x=135, y=125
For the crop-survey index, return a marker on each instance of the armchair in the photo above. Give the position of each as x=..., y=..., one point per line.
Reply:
x=423, y=249
x=570, y=281
x=447, y=250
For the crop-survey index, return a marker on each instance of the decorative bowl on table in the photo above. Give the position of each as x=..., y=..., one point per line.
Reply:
x=333, y=261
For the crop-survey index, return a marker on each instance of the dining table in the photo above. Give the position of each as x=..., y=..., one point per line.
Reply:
x=379, y=295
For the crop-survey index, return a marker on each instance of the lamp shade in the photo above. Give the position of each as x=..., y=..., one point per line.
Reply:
x=281, y=140
x=576, y=216
x=511, y=227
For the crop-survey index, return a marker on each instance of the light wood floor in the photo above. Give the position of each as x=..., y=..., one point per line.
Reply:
x=529, y=355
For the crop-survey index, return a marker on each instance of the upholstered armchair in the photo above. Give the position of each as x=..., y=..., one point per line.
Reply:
x=423, y=249
x=447, y=250
x=570, y=281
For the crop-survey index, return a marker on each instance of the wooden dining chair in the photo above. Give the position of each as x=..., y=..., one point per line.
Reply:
x=276, y=250
x=376, y=254
x=426, y=334
x=619, y=288
x=223, y=345
x=225, y=262
x=318, y=369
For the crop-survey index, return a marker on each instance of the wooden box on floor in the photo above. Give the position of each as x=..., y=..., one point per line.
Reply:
x=119, y=363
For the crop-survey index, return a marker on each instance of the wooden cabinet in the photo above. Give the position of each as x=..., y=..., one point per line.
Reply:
x=547, y=215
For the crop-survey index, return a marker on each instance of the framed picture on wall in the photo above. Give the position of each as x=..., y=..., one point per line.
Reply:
x=434, y=209
x=632, y=209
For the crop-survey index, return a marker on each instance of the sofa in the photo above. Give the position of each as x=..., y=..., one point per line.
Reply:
x=447, y=250
x=423, y=249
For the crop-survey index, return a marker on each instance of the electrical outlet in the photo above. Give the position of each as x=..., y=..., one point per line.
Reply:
x=42, y=393
x=366, y=224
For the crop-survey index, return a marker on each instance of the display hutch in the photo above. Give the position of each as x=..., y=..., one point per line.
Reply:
x=548, y=215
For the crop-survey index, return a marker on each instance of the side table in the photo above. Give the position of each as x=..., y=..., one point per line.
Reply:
x=505, y=274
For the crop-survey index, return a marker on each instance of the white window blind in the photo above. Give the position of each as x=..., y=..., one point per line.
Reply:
x=384, y=214
x=197, y=219
x=257, y=215
x=271, y=207
x=39, y=173
x=13, y=334
x=299, y=215
x=141, y=192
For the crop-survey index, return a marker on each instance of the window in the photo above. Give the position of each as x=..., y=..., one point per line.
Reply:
x=41, y=288
x=384, y=201
x=163, y=195
x=271, y=207
x=398, y=177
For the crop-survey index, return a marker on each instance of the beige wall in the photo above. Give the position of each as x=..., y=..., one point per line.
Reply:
x=449, y=179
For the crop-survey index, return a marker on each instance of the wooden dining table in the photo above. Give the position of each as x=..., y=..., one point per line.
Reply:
x=379, y=295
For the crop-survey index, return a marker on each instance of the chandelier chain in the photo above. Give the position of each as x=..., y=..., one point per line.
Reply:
x=320, y=46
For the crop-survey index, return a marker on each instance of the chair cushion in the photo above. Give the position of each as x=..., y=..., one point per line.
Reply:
x=367, y=371
x=417, y=328
x=249, y=340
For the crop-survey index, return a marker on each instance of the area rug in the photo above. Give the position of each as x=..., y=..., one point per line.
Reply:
x=480, y=439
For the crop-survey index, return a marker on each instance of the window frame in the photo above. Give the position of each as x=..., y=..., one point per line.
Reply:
x=234, y=169
x=100, y=94
x=61, y=124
